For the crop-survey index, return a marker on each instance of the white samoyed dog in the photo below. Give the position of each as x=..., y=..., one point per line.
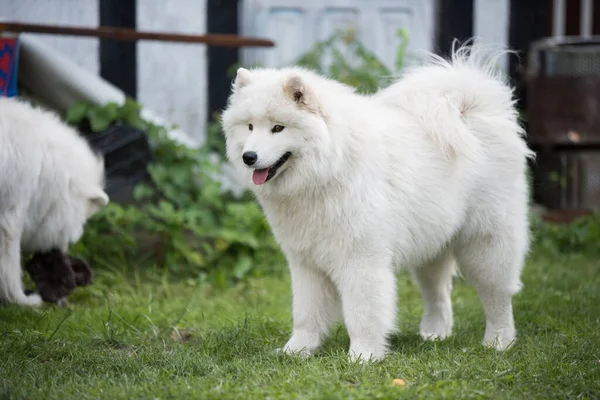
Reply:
x=51, y=183
x=426, y=174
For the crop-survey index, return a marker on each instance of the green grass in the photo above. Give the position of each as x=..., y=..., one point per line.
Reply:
x=117, y=341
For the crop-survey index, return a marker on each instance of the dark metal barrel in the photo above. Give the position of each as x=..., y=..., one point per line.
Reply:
x=563, y=115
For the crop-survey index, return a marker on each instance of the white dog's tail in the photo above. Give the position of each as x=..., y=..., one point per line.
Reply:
x=462, y=100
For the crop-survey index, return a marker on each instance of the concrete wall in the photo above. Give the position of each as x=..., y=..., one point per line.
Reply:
x=83, y=51
x=491, y=21
x=296, y=24
x=171, y=77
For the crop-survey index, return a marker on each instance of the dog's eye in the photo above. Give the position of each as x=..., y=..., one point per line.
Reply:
x=277, y=128
x=250, y=127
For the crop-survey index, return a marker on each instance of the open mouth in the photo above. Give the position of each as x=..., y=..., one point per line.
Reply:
x=260, y=176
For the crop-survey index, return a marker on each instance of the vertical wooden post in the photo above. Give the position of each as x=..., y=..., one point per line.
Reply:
x=118, y=59
x=454, y=20
x=222, y=17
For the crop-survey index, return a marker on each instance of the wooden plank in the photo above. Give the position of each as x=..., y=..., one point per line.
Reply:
x=131, y=34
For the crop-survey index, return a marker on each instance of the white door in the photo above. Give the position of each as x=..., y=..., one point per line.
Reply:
x=295, y=25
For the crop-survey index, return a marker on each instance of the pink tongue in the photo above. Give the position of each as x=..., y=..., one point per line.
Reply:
x=259, y=176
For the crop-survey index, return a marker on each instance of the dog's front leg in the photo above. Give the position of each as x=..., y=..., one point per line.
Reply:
x=316, y=307
x=11, y=284
x=368, y=291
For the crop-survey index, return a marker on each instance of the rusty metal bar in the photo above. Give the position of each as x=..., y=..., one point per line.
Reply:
x=224, y=40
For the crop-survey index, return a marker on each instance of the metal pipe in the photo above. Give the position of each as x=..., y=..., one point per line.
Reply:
x=558, y=22
x=586, y=18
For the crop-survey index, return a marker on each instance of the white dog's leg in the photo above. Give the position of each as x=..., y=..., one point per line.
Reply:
x=368, y=291
x=493, y=265
x=316, y=307
x=11, y=284
x=435, y=283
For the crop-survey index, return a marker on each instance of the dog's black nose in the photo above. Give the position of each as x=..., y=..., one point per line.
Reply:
x=249, y=157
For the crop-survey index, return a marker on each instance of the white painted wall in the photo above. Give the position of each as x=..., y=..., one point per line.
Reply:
x=295, y=25
x=83, y=51
x=171, y=77
x=491, y=22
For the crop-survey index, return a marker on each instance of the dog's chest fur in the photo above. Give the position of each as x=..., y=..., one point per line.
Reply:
x=317, y=231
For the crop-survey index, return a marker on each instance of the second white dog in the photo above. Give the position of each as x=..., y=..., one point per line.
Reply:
x=426, y=172
x=51, y=182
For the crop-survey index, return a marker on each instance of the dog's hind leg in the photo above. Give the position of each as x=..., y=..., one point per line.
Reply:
x=316, y=307
x=492, y=262
x=11, y=284
x=435, y=283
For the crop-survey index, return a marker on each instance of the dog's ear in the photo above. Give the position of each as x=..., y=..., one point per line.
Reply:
x=98, y=198
x=296, y=89
x=93, y=193
x=242, y=78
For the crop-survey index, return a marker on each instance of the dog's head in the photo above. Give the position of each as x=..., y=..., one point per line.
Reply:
x=63, y=208
x=87, y=195
x=276, y=129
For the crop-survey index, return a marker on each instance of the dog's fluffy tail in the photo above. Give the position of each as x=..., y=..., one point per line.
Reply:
x=463, y=100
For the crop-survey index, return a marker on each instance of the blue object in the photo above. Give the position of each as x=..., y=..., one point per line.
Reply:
x=9, y=60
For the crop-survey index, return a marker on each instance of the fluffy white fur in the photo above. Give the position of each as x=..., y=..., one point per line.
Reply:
x=51, y=183
x=425, y=173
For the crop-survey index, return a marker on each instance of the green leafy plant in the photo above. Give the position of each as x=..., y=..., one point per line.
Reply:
x=581, y=235
x=343, y=57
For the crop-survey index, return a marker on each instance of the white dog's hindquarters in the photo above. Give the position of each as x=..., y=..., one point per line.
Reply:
x=491, y=245
x=427, y=174
x=467, y=108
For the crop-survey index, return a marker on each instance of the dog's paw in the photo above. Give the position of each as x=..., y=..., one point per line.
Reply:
x=499, y=339
x=435, y=327
x=434, y=330
x=500, y=343
x=366, y=355
x=30, y=300
x=302, y=344
x=62, y=302
x=302, y=353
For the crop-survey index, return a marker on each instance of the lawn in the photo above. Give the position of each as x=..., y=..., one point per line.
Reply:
x=143, y=333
